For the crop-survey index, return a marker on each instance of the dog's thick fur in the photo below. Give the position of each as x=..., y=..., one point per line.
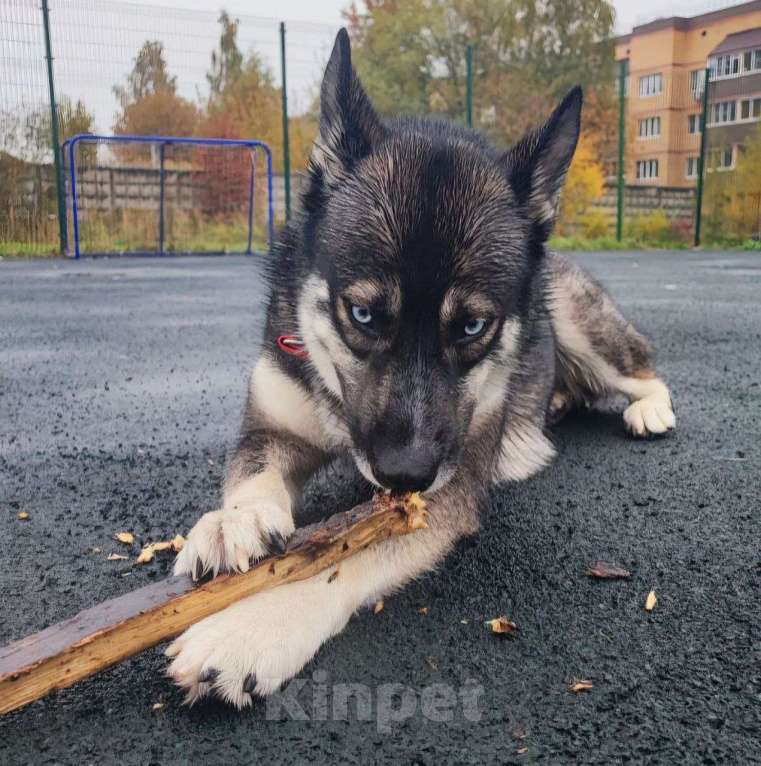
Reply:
x=476, y=337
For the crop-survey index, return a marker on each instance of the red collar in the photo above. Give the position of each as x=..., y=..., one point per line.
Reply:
x=293, y=345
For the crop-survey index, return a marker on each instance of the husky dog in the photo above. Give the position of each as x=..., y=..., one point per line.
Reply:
x=439, y=337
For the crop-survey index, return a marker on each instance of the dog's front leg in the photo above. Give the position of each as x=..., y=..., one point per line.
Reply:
x=263, y=641
x=280, y=445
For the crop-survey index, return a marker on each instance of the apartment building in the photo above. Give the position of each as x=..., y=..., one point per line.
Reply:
x=666, y=61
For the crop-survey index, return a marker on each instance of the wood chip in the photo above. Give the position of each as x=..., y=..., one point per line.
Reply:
x=378, y=607
x=501, y=625
x=117, y=557
x=651, y=601
x=416, y=513
x=158, y=706
x=604, y=571
x=423, y=610
x=23, y=516
x=150, y=550
x=125, y=537
x=178, y=542
x=580, y=686
x=522, y=750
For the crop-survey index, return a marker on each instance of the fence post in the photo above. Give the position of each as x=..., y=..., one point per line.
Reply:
x=54, y=137
x=286, y=145
x=622, y=73
x=701, y=158
x=469, y=86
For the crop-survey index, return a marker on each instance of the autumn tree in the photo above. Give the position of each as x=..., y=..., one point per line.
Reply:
x=149, y=102
x=245, y=102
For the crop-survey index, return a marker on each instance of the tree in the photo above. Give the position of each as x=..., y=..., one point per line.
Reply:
x=583, y=185
x=732, y=200
x=411, y=56
x=227, y=63
x=149, y=101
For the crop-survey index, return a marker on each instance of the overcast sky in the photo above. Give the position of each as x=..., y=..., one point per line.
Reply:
x=628, y=12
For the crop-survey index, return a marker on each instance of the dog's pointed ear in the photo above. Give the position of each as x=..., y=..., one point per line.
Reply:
x=538, y=163
x=348, y=124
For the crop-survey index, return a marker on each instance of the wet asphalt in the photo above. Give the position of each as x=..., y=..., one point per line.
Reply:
x=121, y=387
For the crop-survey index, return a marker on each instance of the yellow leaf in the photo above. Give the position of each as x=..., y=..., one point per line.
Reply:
x=125, y=537
x=651, y=601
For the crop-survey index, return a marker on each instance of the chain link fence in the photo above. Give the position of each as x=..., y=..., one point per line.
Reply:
x=116, y=68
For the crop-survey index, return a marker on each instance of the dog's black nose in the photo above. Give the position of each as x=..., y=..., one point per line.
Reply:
x=406, y=469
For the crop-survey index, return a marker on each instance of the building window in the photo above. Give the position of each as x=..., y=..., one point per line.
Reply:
x=724, y=66
x=692, y=167
x=693, y=123
x=721, y=158
x=752, y=60
x=697, y=81
x=647, y=169
x=750, y=109
x=650, y=85
x=723, y=111
x=650, y=127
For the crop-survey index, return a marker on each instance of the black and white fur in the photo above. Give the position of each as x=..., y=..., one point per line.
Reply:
x=428, y=230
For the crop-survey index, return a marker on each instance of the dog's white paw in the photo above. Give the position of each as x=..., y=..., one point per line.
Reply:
x=651, y=415
x=227, y=540
x=256, y=645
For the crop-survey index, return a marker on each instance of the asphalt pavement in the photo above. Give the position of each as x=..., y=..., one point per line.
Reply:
x=121, y=387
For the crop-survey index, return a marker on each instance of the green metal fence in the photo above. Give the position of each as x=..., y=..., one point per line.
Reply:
x=648, y=171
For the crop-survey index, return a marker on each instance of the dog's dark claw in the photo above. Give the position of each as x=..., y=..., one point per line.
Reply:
x=249, y=683
x=277, y=543
x=197, y=570
x=208, y=676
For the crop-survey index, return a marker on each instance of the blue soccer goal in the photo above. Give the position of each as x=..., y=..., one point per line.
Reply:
x=165, y=195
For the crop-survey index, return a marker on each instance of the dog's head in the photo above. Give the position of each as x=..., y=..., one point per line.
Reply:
x=426, y=251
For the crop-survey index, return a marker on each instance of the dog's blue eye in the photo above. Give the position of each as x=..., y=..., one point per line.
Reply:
x=474, y=327
x=361, y=314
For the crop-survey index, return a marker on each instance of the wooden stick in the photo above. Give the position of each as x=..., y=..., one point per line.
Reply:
x=97, y=638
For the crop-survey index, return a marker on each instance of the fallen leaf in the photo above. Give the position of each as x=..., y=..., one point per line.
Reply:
x=117, y=557
x=464, y=622
x=23, y=516
x=522, y=750
x=604, y=571
x=178, y=542
x=158, y=706
x=651, y=601
x=580, y=686
x=501, y=625
x=125, y=537
x=423, y=610
x=378, y=607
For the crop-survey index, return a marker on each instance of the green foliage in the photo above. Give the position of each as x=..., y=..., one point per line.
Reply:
x=411, y=56
x=227, y=62
x=595, y=224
